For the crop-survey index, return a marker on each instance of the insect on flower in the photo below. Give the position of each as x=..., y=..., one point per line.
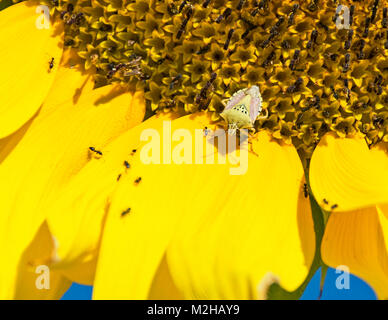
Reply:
x=224, y=15
x=126, y=164
x=227, y=42
x=51, y=64
x=125, y=212
x=242, y=109
x=93, y=149
x=305, y=190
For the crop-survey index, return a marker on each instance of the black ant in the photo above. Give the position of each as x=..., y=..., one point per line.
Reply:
x=374, y=10
x=189, y=13
x=366, y=30
x=126, y=164
x=182, y=6
x=227, y=12
x=294, y=60
x=138, y=180
x=346, y=65
x=291, y=17
x=351, y=13
x=334, y=206
x=269, y=59
x=313, y=39
x=348, y=42
x=305, y=190
x=203, y=93
x=227, y=42
x=240, y=4
x=95, y=151
x=125, y=212
x=51, y=64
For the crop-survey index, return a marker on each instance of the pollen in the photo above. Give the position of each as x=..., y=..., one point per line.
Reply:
x=315, y=73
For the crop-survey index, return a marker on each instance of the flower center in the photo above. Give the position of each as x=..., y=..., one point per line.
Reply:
x=316, y=73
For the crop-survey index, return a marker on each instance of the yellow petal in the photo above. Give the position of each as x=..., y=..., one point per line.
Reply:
x=71, y=81
x=346, y=174
x=54, y=149
x=36, y=280
x=8, y=143
x=187, y=206
x=242, y=233
x=163, y=285
x=25, y=54
x=76, y=218
x=355, y=239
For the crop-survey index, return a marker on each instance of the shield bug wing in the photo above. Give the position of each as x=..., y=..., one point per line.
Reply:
x=234, y=99
x=256, y=101
x=242, y=109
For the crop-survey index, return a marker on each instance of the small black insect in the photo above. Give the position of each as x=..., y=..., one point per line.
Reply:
x=133, y=152
x=126, y=164
x=227, y=42
x=348, y=42
x=325, y=201
x=313, y=39
x=384, y=22
x=203, y=93
x=291, y=17
x=125, y=212
x=305, y=190
x=240, y=4
x=334, y=206
x=182, y=6
x=224, y=15
x=351, y=14
x=346, y=64
x=269, y=59
x=182, y=28
x=374, y=10
x=361, y=54
x=366, y=30
x=138, y=180
x=294, y=60
x=118, y=177
x=95, y=151
x=51, y=64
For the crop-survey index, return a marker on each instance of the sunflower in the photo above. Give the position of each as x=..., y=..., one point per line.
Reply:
x=137, y=208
